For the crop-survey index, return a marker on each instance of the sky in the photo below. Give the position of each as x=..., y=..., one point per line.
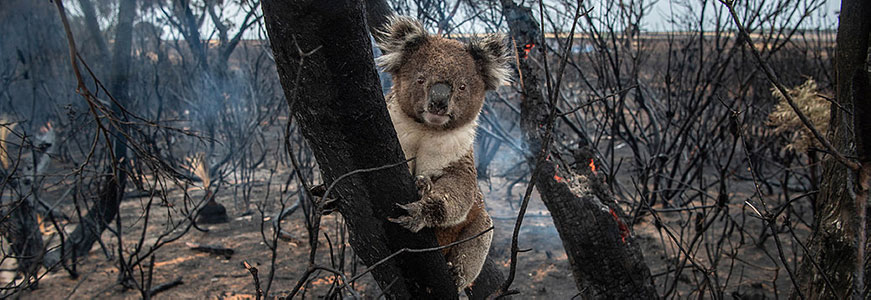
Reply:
x=661, y=11
x=655, y=21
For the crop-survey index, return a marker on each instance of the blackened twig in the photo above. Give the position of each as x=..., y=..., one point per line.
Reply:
x=165, y=286
x=253, y=271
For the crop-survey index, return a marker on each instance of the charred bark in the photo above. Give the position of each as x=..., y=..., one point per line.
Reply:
x=377, y=12
x=327, y=72
x=93, y=26
x=605, y=259
x=488, y=281
x=22, y=231
x=18, y=220
x=836, y=218
x=190, y=30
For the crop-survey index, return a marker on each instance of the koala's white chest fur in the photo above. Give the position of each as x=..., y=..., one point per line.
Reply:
x=434, y=149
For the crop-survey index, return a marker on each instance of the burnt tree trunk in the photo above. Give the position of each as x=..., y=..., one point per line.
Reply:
x=488, y=281
x=25, y=240
x=833, y=243
x=20, y=226
x=606, y=262
x=90, y=15
x=335, y=94
x=101, y=214
x=190, y=30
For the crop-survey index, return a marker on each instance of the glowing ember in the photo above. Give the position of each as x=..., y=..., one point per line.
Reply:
x=592, y=166
x=527, y=48
x=556, y=172
x=624, y=230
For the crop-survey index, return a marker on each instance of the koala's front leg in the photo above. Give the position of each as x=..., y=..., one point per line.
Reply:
x=419, y=214
x=445, y=201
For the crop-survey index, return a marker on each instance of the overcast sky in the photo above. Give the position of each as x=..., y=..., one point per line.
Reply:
x=655, y=21
x=662, y=9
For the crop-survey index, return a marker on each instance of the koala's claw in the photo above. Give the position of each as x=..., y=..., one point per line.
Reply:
x=424, y=185
x=458, y=275
x=413, y=220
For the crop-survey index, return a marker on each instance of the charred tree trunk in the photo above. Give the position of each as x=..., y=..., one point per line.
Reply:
x=191, y=32
x=93, y=26
x=837, y=221
x=606, y=261
x=326, y=69
x=488, y=281
x=20, y=226
x=377, y=12
x=112, y=187
x=22, y=231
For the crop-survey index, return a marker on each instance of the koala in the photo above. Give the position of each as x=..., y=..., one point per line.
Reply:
x=438, y=92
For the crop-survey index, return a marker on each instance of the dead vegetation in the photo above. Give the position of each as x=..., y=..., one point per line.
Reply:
x=680, y=130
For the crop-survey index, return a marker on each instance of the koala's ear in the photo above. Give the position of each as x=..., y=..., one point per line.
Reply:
x=401, y=36
x=491, y=55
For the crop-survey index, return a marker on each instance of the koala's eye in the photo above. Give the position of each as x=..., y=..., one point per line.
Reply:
x=462, y=86
x=421, y=80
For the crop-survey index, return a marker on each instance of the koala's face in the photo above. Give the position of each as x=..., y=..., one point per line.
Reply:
x=440, y=82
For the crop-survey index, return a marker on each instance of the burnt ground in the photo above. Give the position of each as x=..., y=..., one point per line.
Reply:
x=543, y=273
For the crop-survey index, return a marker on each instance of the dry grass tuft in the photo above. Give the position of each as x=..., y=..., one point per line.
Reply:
x=5, y=129
x=198, y=167
x=785, y=120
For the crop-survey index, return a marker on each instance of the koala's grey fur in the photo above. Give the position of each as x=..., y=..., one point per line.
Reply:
x=438, y=129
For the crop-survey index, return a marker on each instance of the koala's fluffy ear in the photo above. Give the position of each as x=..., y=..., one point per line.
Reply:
x=402, y=35
x=491, y=55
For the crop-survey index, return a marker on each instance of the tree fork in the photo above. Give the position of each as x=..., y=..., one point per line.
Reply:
x=343, y=116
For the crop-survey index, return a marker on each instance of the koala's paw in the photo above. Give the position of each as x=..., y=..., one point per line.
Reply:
x=424, y=188
x=459, y=275
x=414, y=219
x=424, y=185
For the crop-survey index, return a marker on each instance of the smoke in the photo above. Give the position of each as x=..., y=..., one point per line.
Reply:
x=34, y=63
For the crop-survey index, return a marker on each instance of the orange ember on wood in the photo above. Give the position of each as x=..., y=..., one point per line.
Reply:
x=624, y=231
x=527, y=48
x=592, y=166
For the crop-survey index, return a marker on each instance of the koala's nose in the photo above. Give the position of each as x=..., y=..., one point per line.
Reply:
x=439, y=97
